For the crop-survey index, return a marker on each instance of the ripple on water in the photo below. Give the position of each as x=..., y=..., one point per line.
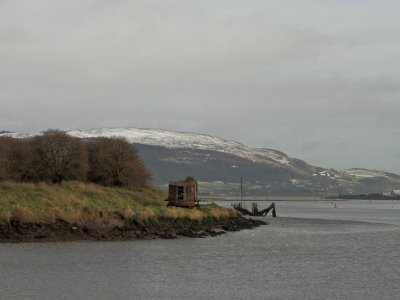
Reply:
x=291, y=258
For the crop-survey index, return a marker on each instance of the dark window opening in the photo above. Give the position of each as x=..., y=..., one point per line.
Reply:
x=181, y=193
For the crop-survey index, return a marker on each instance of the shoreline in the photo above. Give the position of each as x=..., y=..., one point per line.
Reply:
x=59, y=231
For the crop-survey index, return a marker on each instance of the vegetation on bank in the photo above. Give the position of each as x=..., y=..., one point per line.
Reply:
x=91, y=205
x=62, y=187
x=54, y=156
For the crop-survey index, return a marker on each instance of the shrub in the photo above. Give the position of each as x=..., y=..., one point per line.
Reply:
x=59, y=157
x=115, y=162
x=16, y=160
x=55, y=156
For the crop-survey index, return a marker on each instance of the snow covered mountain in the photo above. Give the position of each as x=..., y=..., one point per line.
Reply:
x=220, y=162
x=185, y=140
x=179, y=140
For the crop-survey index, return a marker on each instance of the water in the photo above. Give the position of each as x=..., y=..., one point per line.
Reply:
x=313, y=251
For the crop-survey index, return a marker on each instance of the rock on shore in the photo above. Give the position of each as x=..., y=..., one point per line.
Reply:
x=17, y=231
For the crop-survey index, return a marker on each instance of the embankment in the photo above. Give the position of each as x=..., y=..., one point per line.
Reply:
x=80, y=211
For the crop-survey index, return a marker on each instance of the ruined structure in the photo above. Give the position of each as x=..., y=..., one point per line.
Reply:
x=254, y=210
x=183, y=193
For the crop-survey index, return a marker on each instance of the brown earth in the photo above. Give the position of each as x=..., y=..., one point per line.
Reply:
x=17, y=231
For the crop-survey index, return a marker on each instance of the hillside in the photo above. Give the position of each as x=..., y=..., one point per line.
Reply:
x=219, y=164
x=184, y=140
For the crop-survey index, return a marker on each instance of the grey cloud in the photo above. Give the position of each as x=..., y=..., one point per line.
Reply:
x=311, y=146
x=306, y=77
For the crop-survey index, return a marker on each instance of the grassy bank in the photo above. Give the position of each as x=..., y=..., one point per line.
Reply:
x=83, y=203
x=101, y=210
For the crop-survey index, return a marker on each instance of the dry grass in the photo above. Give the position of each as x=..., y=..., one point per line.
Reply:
x=85, y=203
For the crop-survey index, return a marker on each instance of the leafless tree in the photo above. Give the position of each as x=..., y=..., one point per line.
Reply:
x=59, y=157
x=16, y=160
x=55, y=156
x=115, y=162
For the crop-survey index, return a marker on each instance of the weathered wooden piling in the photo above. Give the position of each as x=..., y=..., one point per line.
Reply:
x=254, y=210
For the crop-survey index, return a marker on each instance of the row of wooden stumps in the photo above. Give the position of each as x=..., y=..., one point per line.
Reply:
x=254, y=210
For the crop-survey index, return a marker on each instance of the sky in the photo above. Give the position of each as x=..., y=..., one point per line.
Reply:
x=318, y=80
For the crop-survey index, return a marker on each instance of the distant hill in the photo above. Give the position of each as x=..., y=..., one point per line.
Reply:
x=219, y=164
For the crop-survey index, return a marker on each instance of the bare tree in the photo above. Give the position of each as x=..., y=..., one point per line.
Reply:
x=4, y=157
x=55, y=156
x=114, y=161
x=59, y=157
x=16, y=160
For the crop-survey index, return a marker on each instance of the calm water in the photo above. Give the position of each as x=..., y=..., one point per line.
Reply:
x=313, y=251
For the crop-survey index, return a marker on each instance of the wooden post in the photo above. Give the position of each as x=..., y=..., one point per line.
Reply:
x=241, y=191
x=254, y=208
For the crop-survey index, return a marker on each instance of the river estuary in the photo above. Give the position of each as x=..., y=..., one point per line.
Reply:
x=311, y=251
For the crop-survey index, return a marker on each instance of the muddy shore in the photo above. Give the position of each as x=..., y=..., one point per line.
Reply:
x=17, y=231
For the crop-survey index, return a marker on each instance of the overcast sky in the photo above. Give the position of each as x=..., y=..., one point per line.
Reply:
x=318, y=80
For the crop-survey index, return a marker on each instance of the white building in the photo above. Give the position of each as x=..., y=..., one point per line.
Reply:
x=395, y=192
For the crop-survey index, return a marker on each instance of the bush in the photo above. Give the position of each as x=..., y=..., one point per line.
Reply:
x=59, y=157
x=115, y=162
x=16, y=160
x=55, y=156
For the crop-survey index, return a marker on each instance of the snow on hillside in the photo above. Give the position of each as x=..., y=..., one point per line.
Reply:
x=171, y=139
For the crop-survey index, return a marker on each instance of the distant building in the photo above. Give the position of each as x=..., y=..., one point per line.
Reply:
x=395, y=192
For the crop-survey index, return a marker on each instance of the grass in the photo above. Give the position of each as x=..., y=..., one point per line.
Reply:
x=85, y=203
